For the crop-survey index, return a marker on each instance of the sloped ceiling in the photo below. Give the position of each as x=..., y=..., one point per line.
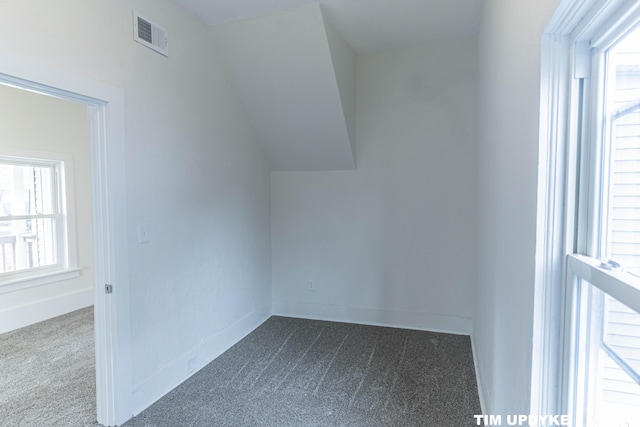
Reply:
x=297, y=90
x=292, y=64
x=366, y=25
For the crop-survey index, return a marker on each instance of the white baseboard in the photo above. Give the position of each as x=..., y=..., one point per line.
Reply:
x=162, y=382
x=38, y=311
x=483, y=406
x=391, y=318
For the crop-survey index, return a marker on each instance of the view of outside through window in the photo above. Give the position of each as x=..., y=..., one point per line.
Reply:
x=624, y=209
x=27, y=216
x=617, y=392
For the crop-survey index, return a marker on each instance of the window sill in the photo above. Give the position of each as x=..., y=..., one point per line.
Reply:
x=13, y=285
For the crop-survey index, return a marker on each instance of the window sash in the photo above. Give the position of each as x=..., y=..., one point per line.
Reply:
x=49, y=252
x=54, y=186
x=54, y=193
x=584, y=334
x=583, y=330
x=623, y=286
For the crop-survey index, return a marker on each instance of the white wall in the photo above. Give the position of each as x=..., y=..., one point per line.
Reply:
x=31, y=121
x=508, y=105
x=392, y=242
x=195, y=178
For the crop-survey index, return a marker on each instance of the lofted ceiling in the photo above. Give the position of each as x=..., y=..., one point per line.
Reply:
x=292, y=64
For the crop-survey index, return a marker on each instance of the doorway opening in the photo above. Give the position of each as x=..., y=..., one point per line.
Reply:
x=105, y=107
x=46, y=268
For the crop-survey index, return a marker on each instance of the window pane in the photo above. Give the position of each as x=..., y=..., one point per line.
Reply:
x=619, y=401
x=619, y=359
x=621, y=332
x=611, y=360
x=624, y=209
x=26, y=190
x=27, y=244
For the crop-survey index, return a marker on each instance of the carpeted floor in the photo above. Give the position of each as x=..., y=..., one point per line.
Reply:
x=295, y=372
x=288, y=372
x=47, y=373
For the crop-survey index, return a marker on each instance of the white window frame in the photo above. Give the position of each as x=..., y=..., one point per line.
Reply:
x=577, y=27
x=66, y=266
x=624, y=287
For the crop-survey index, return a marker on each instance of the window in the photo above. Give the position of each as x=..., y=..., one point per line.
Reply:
x=603, y=273
x=36, y=246
x=621, y=241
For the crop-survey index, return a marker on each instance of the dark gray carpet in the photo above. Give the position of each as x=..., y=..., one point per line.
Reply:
x=47, y=373
x=295, y=372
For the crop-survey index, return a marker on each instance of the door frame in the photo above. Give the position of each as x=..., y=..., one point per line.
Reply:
x=105, y=106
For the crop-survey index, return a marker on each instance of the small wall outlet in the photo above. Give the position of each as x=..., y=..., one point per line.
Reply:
x=192, y=363
x=311, y=286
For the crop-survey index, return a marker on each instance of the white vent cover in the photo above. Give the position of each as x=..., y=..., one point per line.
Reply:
x=150, y=34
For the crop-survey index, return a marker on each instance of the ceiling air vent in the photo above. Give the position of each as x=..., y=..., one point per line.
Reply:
x=150, y=34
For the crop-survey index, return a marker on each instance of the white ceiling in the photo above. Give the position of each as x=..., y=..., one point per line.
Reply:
x=366, y=25
x=292, y=64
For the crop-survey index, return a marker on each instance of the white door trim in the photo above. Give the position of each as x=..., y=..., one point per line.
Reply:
x=108, y=210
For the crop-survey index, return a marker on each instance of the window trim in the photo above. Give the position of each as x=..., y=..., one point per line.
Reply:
x=564, y=52
x=67, y=264
x=42, y=277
